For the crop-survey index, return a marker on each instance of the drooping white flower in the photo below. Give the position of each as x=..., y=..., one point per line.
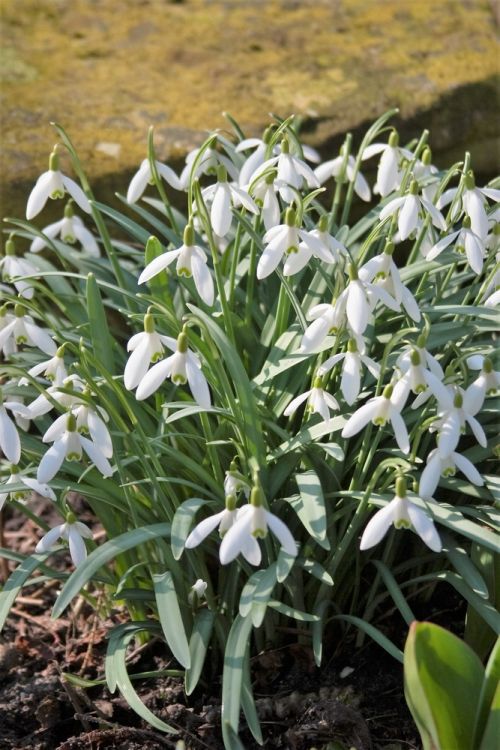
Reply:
x=331, y=250
x=181, y=367
x=144, y=176
x=206, y=164
x=381, y=271
x=486, y=384
x=291, y=172
x=70, y=229
x=358, y=300
x=10, y=444
x=412, y=211
x=427, y=175
x=353, y=360
x=197, y=591
x=390, y=173
x=256, y=158
x=403, y=361
x=235, y=482
x=191, y=261
x=53, y=369
x=284, y=239
x=73, y=532
x=318, y=400
x=53, y=184
x=8, y=344
x=69, y=444
x=332, y=246
x=22, y=329
x=12, y=266
x=380, y=410
x=67, y=398
x=420, y=381
x=333, y=168
x=251, y=524
x=472, y=202
x=327, y=318
x=223, y=195
x=146, y=347
x=92, y=422
x=404, y=515
x=438, y=466
x=264, y=192
x=223, y=521
x=16, y=477
x=456, y=408
x=465, y=240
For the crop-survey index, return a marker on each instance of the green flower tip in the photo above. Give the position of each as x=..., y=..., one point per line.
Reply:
x=268, y=134
x=153, y=245
x=68, y=210
x=188, y=237
x=285, y=146
x=496, y=229
x=70, y=517
x=394, y=139
x=421, y=341
x=290, y=216
x=270, y=178
x=352, y=346
x=257, y=496
x=466, y=224
x=60, y=351
x=221, y=173
x=353, y=272
x=182, y=342
x=14, y=469
x=149, y=323
x=71, y=423
x=10, y=246
x=413, y=188
x=487, y=365
x=387, y=392
x=19, y=310
x=230, y=502
x=318, y=382
x=426, y=156
x=458, y=401
x=323, y=223
x=415, y=358
x=470, y=182
x=401, y=487
x=389, y=247
x=54, y=160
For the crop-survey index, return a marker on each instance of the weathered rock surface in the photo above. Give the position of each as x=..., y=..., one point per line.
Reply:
x=107, y=69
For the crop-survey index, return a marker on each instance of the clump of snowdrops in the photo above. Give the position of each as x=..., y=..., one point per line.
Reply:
x=279, y=415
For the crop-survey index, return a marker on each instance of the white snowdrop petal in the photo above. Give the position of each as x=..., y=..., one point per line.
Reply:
x=357, y=308
x=477, y=430
x=159, y=264
x=203, y=529
x=295, y=262
x=203, y=279
x=269, y=261
x=39, y=195
x=138, y=182
x=436, y=215
x=97, y=456
x=329, y=363
x=245, y=199
x=41, y=489
x=474, y=207
x=400, y=432
x=51, y=462
x=327, y=169
x=295, y=403
x=283, y=533
x=250, y=550
x=87, y=240
x=373, y=149
x=49, y=539
x=99, y=433
x=390, y=208
x=351, y=381
x=474, y=252
x=77, y=548
x=56, y=429
x=424, y=527
x=10, y=443
x=377, y=527
x=77, y=194
x=137, y=364
x=387, y=174
x=234, y=538
x=198, y=384
x=449, y=435
x=362, y=188
x=154, y=378
x=169, y=175
x=468, y=469
x=220, y=213
x=361, y=417
x=83, y=530
x=408, y=216
x=430, y=476
x=314, y=335
x=40, y=338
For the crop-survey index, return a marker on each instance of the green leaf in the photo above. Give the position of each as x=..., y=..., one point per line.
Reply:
x=443, y=679
x=16, y=581
x=170, y=617
x=489, y=699
x=297, y=614
x=181, y=524
x=395, y=592
x=101, y=556
x=315, y=569
x=232, y=675
x=99, y=331
x=374, y=633
x=465, y=568
x=310, y=506
x=307, y=435
x=198, y=645
x=248, y=702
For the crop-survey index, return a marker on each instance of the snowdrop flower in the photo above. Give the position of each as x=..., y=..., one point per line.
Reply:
x=33, y=486
x=146, y=347
x=8, y=345
x=318, y=401
x=327, y=318
x=223, y=521
x=53, y=369
x=144, y=176
x=330, y=250
x=191, y=261
x=43, y=405
x=208, y=163
x=251, y=524
x=332, y=247
x=333, y=168
x=359, y=299
x=389, y=174
x=291, y=172
x=418, y=380
x=235, y=482
x=10, y=444
x=222, y=195
x=350, y=383
x=90, y=422
x=23, y=330
x=181, y=367
x=69, y=445
x=426, y=174
x=456, y=409
x=486, y=384
x=284, y=239
x=412, y=210
x=438, y=465
x=382, y=270
x=53, y=184
x=472, y=202
x=73, y=532
x=70, y=229
x=403, y=361
x=465, y=241
x=264, y=193
x=380, y=410
x=256, y=158
x=404, y=515
x=197, y=592
x=17, y=406
x=12, y=266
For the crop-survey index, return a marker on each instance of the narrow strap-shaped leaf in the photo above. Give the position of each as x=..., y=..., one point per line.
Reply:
x=198, y=645
x=16, y=581
x=487, y=696
x=297, y=614
x=395, y=592
x=374, y=633
x=99, y=331
x=103, y=555
x=248, y=702
x=171, y=618
x=181, y=524
x=232, y=675
x=310, y=506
